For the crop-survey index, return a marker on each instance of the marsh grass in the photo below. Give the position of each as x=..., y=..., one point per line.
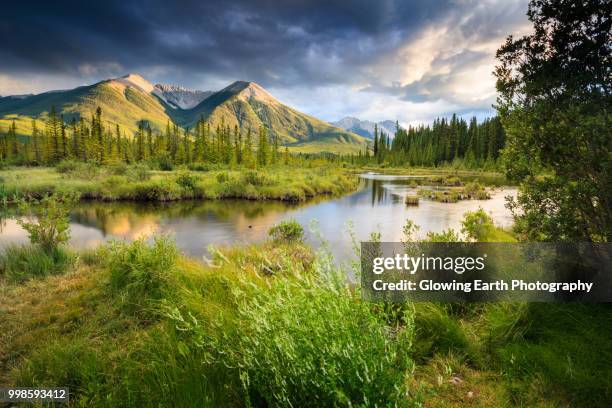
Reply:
x=138, y=183
x=140, y=275
x=411, y=200
x=22, y=262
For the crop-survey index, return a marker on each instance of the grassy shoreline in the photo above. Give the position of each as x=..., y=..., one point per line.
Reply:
x=141, y=184
x=188, y=334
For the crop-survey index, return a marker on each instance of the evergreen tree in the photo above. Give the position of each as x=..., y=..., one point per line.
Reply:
x=263, y=153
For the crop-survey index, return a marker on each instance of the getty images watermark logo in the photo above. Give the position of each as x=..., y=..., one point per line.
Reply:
x=412, y=264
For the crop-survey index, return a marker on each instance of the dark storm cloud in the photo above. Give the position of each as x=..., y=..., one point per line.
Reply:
x=276, y=43
x=423, y=57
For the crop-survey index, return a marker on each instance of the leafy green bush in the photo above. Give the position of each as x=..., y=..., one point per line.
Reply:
x=46, y=221
x=187, y=180
x=289, y=231
x=308, y=344
x=141, y=272
x=21, y=262
x=477, y=225
x=165, y=162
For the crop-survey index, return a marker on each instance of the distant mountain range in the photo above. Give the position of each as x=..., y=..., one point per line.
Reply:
x=130, y=99
x=365, y=128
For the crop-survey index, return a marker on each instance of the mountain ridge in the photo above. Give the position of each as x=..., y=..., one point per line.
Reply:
x=128, y=100
x=365, y=128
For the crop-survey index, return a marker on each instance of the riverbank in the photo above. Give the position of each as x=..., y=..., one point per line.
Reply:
x=486, y=177
x=274, y=324
x=138, y=183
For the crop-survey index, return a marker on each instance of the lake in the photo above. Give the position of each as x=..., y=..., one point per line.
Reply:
x=378, y=205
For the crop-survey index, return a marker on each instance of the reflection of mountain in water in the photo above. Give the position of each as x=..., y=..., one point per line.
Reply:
x=192, y=220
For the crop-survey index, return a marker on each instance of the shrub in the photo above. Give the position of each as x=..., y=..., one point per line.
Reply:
x=66, y=166
x=187, y=181
x=139, y=172
x=449, y=235
x=154, y=190
x=477, y=225
x=140, y=271
x=164, y=162
x=21, y=262
x=289, y=231
x=198, y=167
x=46, y=221
x=255, y=178
x=307, y=344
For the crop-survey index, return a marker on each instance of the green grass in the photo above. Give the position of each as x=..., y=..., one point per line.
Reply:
x=22, y=262
x=109, y=184
x=272, y=324
x=191, y=334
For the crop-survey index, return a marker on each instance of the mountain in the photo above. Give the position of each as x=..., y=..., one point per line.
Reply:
x=365, y=128
x=179, y=97
x=130, y=99
x=247, y=105
x=124, y=101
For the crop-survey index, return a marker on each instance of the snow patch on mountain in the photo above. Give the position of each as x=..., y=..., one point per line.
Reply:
x=180, y=97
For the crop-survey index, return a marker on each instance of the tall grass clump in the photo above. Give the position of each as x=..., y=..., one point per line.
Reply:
x=287, y=231
x=19, y=263
x=308, y=343
x=141, y=273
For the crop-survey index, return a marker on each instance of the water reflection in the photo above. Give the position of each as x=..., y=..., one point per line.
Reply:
x=378, y=205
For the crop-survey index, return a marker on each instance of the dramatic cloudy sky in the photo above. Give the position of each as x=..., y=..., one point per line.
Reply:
x=378, y=59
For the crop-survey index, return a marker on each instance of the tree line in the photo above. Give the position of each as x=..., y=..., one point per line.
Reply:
x=94, y=141
x=445, y=141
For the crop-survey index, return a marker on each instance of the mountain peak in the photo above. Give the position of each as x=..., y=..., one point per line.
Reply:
x=248, y=90
x=138, y=81
x=365, y=128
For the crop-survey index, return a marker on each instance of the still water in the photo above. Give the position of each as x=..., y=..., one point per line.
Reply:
x=377, y=206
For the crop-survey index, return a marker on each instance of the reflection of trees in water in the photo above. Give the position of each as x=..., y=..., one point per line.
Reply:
x=132, y=219
x=7, y=211
x=379, y=193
